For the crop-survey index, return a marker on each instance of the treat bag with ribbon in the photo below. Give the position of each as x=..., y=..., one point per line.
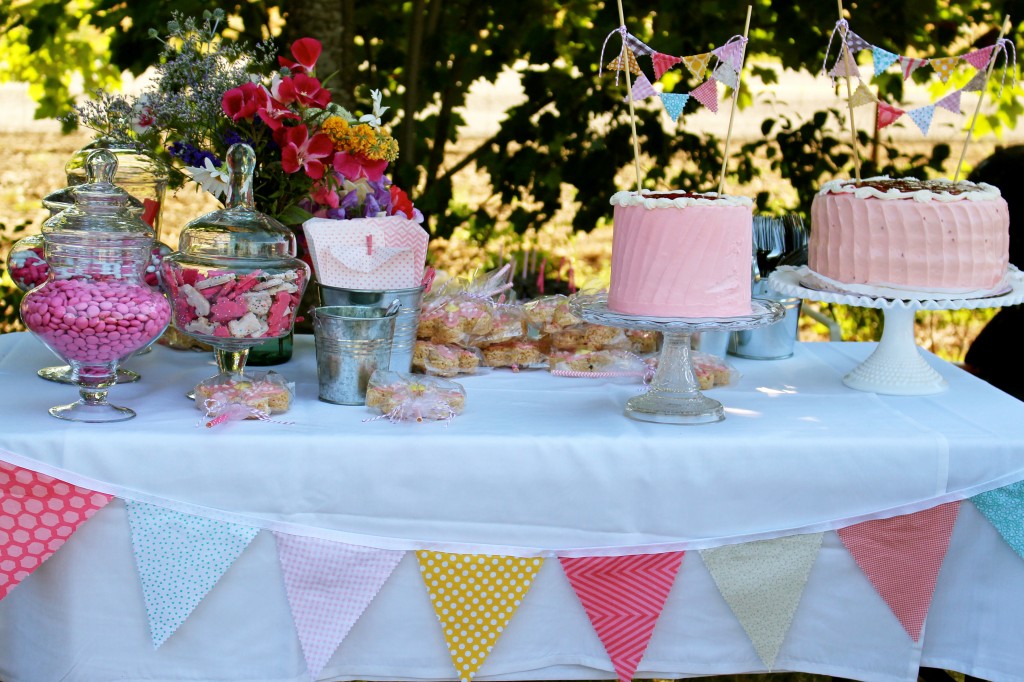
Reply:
x=375, y=254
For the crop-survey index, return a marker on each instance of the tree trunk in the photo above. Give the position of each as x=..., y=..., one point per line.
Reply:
x=330, y=22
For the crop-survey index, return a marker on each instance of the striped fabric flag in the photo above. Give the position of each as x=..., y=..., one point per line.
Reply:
x=909, y=65
x=901, y=556
x=623, y=597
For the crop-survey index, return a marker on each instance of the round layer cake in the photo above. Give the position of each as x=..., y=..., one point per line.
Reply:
x=681, y=254
x=931, y=236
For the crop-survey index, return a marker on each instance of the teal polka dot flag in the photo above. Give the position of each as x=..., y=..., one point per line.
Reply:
x=180, y=558
x=1004, y=508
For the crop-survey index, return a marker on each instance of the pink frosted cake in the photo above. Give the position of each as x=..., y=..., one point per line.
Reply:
x=681, y=254
x=934, y=236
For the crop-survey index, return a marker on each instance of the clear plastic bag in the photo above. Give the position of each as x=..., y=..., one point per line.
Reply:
x=255, y=395
x=444, y=360
x=407, y=397
x=517, y=354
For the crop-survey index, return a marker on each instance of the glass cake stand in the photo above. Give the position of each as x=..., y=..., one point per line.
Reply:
x=896, y=367
x=674, y=395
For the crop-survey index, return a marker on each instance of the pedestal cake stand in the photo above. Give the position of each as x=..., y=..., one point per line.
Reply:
x=896, y=367
x=674, y=395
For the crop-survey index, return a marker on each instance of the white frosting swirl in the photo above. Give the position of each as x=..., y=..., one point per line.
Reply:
x=930, y=191
x=650, y=199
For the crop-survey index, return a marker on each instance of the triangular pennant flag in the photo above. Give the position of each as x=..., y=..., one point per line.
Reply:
x=724, y=73
x=950, y=102
x=636, y=45
x=862, y=95
x=979, y=58
x=38, y=513
x=856, y=43
x=922, y=117
x=674, y=104
x=909, y=65
x=762, y=582
x=180, y=557
x=707, y=94
x=662, y=63
x=625, y=60
x=883, y=59
x=731, y=53
x=474, y=597
x=845, y=66
x=976, y=84
x=1004, y=508
x=901, y=556
x=887, y=114
x=697, y=64
x=642, y=89
x=623, y=597
x=329, y=585
x=944, y=66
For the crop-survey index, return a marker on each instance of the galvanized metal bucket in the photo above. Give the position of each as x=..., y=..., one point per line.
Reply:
x=774, y=342
x=351, y=342
x=405, y=325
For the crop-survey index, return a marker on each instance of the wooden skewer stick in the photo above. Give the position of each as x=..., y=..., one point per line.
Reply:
x=732, y=112
x=632, y=110
x=1004, y=29
x=849, y=97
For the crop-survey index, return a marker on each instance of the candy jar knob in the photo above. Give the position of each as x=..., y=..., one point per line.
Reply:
x=241, y=165
x=101, y=166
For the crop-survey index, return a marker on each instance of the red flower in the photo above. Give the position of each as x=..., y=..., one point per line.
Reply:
x=324, y=195
x=306, y=51
x=354, y=166
x=400, y=202
x=274, y=114
x=303, y=89
x=298, y=150
x=244, y=101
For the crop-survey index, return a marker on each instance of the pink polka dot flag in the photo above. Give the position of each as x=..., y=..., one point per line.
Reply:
x=329, y=585
x=901, y=556
x=623, y=597
x=38, y=514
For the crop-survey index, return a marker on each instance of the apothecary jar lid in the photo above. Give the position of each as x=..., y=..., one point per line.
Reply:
x=238, y=230
x=100, y=208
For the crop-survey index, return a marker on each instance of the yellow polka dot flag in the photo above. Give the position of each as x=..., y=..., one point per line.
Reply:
x=944, y=66
x=475, y=597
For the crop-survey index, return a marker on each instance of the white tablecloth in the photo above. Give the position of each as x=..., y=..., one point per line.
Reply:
x=535, y=464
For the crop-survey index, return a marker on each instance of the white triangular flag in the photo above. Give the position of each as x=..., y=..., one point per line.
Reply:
x=724, y=73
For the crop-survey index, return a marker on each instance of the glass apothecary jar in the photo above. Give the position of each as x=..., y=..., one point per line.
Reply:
x=95, y=309
x=235, y=282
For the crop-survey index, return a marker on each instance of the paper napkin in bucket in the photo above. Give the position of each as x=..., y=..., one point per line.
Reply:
x=376, y=254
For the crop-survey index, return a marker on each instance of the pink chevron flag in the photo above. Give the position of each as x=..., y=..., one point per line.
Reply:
x=979, y=58
x=707, y=94
x=623, y=597
x=902, y=556
x=329, y=585
x=37, y=514
x=662, y=63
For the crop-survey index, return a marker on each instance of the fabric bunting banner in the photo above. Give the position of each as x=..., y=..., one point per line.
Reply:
x=901, y=556
x=625, y=60
x=475, y=597
x=623, y=597
x=950, y=102
x=39, y=513
x=883, y=59
x=732, y=53
x=845, y=66
x=180, y=557
x=642, y=89
x=856, y=43
x=707, y=94
x=922, y=117
x=674, y=104
x=662, y=63
x=888, y=114
x=976, y=84
x=944, y=66
x=636, y=45
x=762, y=583
x=862, y=95
x=909, y=65
x=979, y=58
x=1004, y=508
x=725, y=74
x=697, y=64
x=329, y=585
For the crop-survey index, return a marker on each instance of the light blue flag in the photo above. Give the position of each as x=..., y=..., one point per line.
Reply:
x=922, y=117
x=1004, y=508
x=674, y=104
x=180, y=557
x=883, y=59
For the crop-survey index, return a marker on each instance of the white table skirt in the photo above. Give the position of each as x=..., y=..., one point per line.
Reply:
x=535, y=464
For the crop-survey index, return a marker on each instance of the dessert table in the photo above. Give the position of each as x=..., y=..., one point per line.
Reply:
x=537, y=466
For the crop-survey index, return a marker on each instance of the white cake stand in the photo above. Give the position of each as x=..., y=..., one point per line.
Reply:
x=674, y=395
x=897, y=366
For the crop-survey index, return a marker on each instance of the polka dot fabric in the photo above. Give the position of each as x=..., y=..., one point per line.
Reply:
x=180, y=557
x=341, y=257
x=38, y=514
x=475, y=597
x=1002, y=507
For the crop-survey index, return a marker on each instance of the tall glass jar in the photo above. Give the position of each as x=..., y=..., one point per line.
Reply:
x=95, y=309
x=235, y=282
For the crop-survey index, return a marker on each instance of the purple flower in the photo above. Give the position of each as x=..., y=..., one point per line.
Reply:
x=371, y=207
x=192, y=155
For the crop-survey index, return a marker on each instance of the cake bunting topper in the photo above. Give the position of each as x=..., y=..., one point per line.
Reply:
x=727, y=69
x=845, y=67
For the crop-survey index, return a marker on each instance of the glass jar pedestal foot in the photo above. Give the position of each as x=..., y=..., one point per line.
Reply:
x=61, y=374
x=92, y=407
x=674, y=395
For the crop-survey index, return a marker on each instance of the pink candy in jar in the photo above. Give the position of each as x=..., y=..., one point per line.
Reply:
x=94, y=322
